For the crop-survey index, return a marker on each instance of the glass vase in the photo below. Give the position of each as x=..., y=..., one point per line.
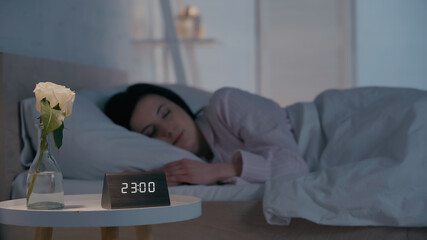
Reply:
x=44, y=181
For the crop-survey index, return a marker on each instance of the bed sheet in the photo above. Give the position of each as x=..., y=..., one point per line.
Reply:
x=206, y=193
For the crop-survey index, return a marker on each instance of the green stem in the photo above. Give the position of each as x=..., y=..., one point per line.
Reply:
x=43, y=148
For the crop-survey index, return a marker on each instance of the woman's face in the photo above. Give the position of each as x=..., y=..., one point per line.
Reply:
x=157, y=117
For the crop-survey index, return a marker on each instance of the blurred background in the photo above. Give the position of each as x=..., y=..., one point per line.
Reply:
x=288, y=50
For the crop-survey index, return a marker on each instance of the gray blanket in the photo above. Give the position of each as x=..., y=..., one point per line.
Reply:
x=367, y=153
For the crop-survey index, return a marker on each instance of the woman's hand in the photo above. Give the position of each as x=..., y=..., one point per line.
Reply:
x=196, y=172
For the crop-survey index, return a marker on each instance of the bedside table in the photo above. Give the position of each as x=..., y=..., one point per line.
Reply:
x=86, y=211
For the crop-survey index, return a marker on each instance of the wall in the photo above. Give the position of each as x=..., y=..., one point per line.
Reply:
x=392, y=43
x=229, y=61
x=92, y=32
x=98, y=32
x=305, y=48
x=3, y=178
x=298, y=38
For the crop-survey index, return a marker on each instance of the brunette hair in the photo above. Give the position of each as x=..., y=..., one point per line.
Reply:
x=119, y=108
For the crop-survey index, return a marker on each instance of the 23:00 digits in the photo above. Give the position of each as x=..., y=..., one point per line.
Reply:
x=141, y=187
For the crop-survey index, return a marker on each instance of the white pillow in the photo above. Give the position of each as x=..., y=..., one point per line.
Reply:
x=94, y=145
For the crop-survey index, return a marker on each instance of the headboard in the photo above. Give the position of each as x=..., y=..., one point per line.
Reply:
x=18, y=77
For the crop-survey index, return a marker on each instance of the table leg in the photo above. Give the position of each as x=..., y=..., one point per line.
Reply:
x=144, y=232
x=43, y=233
x=110, y=233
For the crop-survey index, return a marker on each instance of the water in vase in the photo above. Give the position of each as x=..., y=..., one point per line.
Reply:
x=48, y=192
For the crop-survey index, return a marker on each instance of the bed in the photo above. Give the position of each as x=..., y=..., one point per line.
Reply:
x=229, y=212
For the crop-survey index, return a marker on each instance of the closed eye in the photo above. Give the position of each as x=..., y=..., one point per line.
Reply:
x=153, y=133
x=149, y=131
x=166, y=114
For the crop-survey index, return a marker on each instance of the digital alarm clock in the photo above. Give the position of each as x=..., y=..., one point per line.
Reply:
x=134, y=190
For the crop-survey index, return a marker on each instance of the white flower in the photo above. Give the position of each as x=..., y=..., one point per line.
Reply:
x=55, y=94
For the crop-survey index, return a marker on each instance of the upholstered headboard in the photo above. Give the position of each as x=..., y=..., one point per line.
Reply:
x=18, y=76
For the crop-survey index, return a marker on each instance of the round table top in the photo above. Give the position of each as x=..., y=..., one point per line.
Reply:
x=86, y=211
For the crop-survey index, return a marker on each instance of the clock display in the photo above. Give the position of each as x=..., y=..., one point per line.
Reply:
x=131, y=190
x=140, y=187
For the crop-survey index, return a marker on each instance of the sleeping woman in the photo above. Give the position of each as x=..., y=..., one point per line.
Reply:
x=350, y=157
x=244, y=138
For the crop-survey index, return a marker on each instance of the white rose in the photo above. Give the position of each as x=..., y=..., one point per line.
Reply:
x=55, y=94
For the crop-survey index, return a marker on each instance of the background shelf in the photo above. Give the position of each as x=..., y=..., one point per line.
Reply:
x=195, y=41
